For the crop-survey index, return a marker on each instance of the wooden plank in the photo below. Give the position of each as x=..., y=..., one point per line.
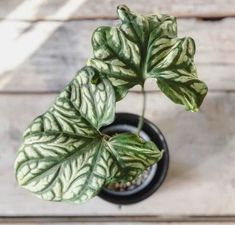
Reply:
x=6, y=7
x=201, y=176
x=28, y=66
x=125, y=220
x=115, y=223
x=48, y=10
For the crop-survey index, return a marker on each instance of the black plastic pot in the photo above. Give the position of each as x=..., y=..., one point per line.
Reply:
x=126, y=122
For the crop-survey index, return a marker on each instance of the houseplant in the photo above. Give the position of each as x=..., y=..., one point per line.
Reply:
x=69, y=153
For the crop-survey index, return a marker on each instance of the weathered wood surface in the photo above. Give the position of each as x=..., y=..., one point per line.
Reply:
x=201, y=178
x=44, y=56
x=39, y=58
x=115, y=223
x=81, y=9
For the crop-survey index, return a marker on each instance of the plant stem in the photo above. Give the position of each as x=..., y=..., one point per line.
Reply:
x=141, y=119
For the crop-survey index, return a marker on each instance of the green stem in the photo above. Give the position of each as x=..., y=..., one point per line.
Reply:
x=141, y=119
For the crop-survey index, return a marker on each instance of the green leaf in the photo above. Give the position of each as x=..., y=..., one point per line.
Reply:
x=134, y=155
x=171, y=62
x=60, y=167
x=96, y=102
x=142, y=47
x=64, y=157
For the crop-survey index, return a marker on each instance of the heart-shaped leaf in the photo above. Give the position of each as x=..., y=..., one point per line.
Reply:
x=146, y=46
x=64, y=156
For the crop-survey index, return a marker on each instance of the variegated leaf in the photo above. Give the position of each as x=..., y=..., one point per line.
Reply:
x=134, y=155
x=96, y=102
x=171, y=62
x=60, y=167
x=64, y=157
x=147, y=46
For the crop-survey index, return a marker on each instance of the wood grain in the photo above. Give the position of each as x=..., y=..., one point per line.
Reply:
x=200, y=185
x=201, y=177
x=48, y=10
x=111, y=223
x=54, y=62
x=115, y=223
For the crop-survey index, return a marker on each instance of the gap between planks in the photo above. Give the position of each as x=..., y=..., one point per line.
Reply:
x=131, y=91
x=107, y=219
x=212, y=17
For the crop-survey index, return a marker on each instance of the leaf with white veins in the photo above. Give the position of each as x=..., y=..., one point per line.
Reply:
x=144, y=47
x=64, y=157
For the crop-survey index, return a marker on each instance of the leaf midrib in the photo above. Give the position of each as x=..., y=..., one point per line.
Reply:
x=66, y=133
x=94, y=163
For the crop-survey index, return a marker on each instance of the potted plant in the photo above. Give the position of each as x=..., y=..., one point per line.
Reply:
x=78, y=148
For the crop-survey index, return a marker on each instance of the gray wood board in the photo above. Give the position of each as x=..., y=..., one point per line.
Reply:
x=118, y=223
x=44, y=56
x=201, y=178
x=73, y=9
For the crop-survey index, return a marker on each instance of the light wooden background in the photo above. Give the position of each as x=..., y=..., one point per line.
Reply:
x=42, y=45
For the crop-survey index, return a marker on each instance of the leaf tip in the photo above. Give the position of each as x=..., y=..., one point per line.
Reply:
x=122, y=7
x=162, y=152
x=191, y=46
x=122, y=10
